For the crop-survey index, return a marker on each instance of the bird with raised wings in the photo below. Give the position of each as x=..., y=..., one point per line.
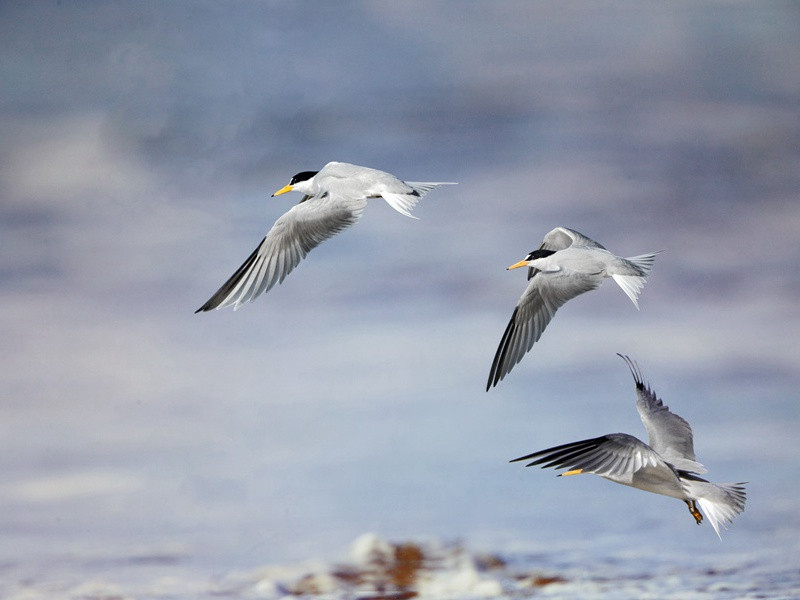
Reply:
x=566, y=265
x=333, y=200
x=667, y=465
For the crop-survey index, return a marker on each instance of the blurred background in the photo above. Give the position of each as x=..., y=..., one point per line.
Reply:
x=140, y=145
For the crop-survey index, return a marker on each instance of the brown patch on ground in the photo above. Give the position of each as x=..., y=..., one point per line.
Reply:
x=490, y=562
x=542, y=581
x=386, y=576
x=392, y=571
x=391, y=596
x=348, y=575
x=408, y=560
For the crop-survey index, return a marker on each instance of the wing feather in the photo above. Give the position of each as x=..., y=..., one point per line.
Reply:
x=669, y=434
x=616, y=456
x=291, y=238
x=561, y=238
x=545, y=294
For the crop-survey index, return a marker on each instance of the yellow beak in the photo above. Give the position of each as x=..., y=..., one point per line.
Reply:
x=573, y=472
x=522, y=263
x=283, y=190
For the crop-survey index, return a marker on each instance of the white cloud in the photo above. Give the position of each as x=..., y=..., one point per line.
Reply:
x=66, y=158
x=66, y=486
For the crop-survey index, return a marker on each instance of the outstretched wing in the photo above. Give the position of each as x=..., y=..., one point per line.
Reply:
x=294, y=234
x=670, y=435
x=616, y=456
x=545, y=293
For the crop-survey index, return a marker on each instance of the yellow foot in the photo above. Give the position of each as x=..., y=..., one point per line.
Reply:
x=693, y=509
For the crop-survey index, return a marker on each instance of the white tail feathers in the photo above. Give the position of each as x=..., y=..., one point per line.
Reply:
x=633, y=283
x=402, y=203
x=405, y=203
x=720, y=503
x=423, y=187
x=644, y=262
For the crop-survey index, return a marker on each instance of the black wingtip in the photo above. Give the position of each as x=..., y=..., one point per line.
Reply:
x=492, y=382
x=527, y=457
x=210, y=304
x=226, y=288
x=499, y=356
x=635, y=370
x=557, y=455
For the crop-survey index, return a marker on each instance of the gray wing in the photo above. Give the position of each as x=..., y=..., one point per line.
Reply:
x=536, y=308
x=559, y=238
x=294, y=234
x=670, y=435
x=563, y=237
x=616, y=456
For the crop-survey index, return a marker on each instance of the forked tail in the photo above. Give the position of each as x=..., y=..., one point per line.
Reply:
x=632, y=279
x=719, y=502
x=405, y=203
x=423, y=187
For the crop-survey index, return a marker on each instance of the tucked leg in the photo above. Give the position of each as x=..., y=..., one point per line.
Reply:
x=693, y=509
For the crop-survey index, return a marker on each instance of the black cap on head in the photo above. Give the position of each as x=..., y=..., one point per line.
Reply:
x=302, y=176
x=540, y=253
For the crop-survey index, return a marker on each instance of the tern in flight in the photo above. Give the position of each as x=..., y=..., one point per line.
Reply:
x=333, y=199
x=667, y=465
x=566, y=265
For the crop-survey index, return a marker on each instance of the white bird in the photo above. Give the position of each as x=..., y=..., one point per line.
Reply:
x=333, y=199
x=566, y=265
x=666, y=466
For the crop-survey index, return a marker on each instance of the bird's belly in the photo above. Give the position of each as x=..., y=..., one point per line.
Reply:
x=659, y=480
x=583, y=264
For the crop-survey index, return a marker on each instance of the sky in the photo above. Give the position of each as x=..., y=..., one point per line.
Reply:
x=140, y=145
